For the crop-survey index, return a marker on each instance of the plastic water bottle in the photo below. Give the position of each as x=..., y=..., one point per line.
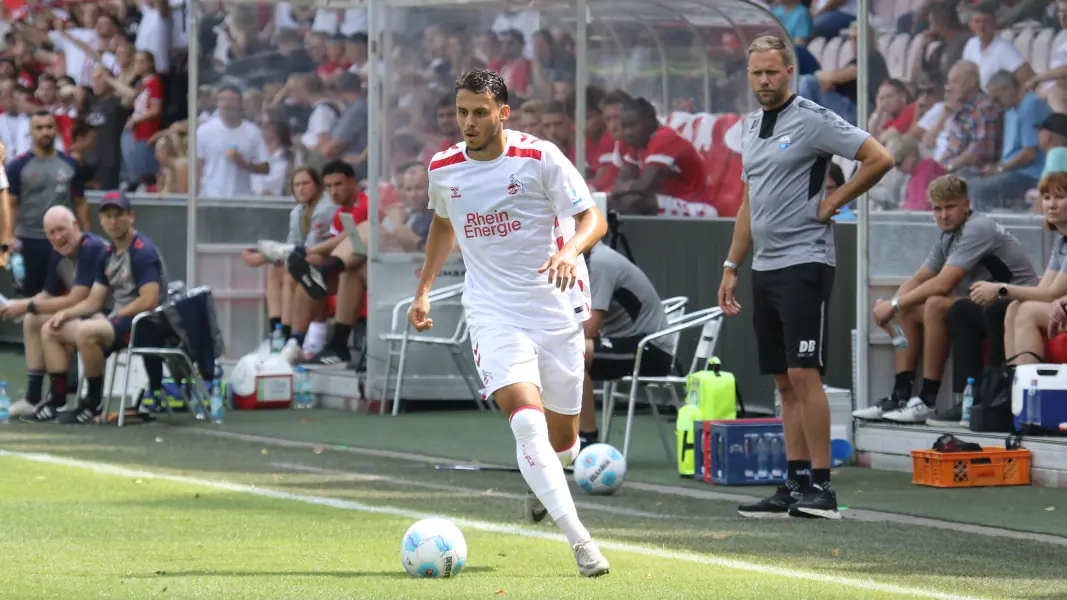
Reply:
x=750, y=459
x=720, y=455
x=17, y=266
x=777, y=453
x=218, y=405
x=301, y=389
x=1033, y=404
x=277, y=339
x=968, y=402
x=5, y=404
x=762, y=457
x=900, y=341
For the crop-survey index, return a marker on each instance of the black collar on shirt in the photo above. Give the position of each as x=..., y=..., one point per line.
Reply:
x=770, y=118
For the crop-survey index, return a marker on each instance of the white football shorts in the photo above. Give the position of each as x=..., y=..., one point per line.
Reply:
x=554, y=361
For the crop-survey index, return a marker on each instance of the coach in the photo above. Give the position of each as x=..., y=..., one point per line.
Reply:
x=786, y=216
x=40, y=179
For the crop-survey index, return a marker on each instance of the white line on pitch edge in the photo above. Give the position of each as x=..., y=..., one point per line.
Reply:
x=706, y=559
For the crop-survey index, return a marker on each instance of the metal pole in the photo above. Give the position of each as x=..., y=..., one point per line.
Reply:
x=863, y=223
x=374, y=156
x=581, y=84
x=193, y=123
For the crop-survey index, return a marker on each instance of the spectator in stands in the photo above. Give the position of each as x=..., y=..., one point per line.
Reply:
x=662, y=172
x=795, y=18
x=107, y=118
x=989, y=51
x=512, y=66
x=347, y=140
x=942, y=44
x=230, y=149
x=308, y=91
x=448, y=127
x=598, y=142
x=70, y=274
x=836, y=90
x=1053, y=82
x=893, y=110
x=490, y=51
x=1019, y=336
x=1052, y=139
x=972, y=247
x=1004, y=185
x=145, y=122
x=407, y=223
x=550, y=66
x=890, y=192
x=303, y=323
x=558, y=128
x=975, y=123
x=333, y=266
x=807, y=64
x=529, y=117
x=280, y=156
x=625, y=309
x=831, y=16
x=611, y=163
x=132, y=274
x=173, y=177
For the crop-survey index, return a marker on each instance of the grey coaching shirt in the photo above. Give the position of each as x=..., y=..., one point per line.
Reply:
x=40, y=183
x=785, y=155
x=1057, y=259
x=629, y=300
x=321, y=219
x=985, y=250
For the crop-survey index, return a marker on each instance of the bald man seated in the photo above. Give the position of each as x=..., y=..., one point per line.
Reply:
x=71, y=271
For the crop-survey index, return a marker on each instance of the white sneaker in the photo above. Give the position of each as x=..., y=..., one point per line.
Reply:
x=22, y=407
x=916, y=411
x=591, y=563
x=292, y=353
x=878, y=410
x=275, y=252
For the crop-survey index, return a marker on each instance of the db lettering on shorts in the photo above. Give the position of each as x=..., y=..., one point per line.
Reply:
x=807, y=347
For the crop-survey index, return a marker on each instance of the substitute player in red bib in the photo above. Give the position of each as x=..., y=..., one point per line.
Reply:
x=523, y=217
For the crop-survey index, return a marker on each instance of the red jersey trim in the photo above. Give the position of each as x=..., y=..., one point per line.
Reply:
x=533, y=153
x=455, y=159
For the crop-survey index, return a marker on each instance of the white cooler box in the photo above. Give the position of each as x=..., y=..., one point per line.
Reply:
x=840, y=411
x=1052, y=393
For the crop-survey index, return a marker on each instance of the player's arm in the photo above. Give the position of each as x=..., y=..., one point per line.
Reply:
x=741, y=244
x=591, y=326
x=48, y=304
x=940, y=284
x=327, y=247
x=834, y=135
x=438, y=246
x=93, y=303
x=566, y=188
x=627, y=175
x=975, y=242
x=145, y=266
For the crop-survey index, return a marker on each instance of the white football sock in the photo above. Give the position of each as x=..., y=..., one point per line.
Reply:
x=568, y=456
x=315, y=339
x=543, y=471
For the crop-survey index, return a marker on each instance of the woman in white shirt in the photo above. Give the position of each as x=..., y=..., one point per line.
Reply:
x=279, y=156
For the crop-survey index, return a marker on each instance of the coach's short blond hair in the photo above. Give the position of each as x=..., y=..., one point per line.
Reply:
x=770, y=43
x=947, y=187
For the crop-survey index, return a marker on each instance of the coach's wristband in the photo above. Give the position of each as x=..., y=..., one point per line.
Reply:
x=729, y=265
x=895, y=303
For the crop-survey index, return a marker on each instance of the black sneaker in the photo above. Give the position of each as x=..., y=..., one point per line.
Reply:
x=535, y=511
x=328, y=357
x=946, y=417
x=79, y=416
x=306, y=275
x=819, y=501
x=776, y=506
x=45, y=413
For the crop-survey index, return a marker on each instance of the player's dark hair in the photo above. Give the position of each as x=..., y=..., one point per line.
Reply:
x=615, y=97
x=642, y=108
x=338, y=167
x=411, y=164
x=43, y=113
x=555, y=108
x=229, y=87
x=483, y=81
x=446, y=102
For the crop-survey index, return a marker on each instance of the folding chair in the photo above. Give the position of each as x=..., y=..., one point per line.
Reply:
x=455, y=344
x=710, y=322
x=190, y=341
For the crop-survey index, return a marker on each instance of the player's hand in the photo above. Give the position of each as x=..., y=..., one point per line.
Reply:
x=1057, y=317
x=14, y=310
x=417, y=314
x=727, y=302
x=883, y=313
x=827, y=211
x=253, y=258
x=562, y=269
x=983, y=293
x=58, y=320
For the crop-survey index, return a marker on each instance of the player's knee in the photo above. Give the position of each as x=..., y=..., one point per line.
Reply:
x=803, y=380
x=1011, y=314
x=785, y=387
x=1032, y=314
x=936, y=308
x=32, y=325
x=527, y=423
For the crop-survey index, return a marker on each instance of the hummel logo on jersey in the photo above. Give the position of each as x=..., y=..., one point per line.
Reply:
x=515, y=186
x=490, y=224
x=455, y=192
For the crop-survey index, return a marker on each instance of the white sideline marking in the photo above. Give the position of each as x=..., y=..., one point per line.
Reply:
x=858, y=514
x=357, y=476
x=706, y=559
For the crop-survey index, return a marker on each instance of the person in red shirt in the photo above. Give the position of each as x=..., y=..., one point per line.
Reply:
x=138, y=158
x=335, y=266
x=515, y=69
x=893, y=109
x=662, y=172
x=609, y=154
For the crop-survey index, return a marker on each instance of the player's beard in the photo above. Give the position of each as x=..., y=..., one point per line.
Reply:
x=46, y=142
x=774, y=99
x=488, y=139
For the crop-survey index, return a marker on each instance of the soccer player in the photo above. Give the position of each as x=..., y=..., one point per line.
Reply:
x=786, y=216
x=523, y=217
x=40, y=179
x=132, y=274
x=71, y=272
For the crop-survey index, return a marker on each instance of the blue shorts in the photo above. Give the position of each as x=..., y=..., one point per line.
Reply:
x=147, y=334
x=35, y=254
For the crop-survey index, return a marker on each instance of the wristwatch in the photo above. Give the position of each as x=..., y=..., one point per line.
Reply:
x=31, y=307
x=729, y=265
x=1003, y=291
x=895, y=303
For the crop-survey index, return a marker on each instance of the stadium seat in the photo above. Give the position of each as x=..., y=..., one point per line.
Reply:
x=1024, y=41
x=915, y=46
x=1041, y=50
x=831, y=53
x=845, y=54
x=702, y=132
x=1059, y=40
x=1056, y=349
x=723, y=161
x=896, y=60
x=816, y=47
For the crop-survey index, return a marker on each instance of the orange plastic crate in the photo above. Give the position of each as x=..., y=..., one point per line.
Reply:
x=991, y=466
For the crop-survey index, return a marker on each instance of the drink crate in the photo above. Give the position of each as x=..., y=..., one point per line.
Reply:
x=739, y=452
x=992, y=466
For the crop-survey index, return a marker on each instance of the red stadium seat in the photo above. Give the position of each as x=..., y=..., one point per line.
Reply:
x=1056, y=349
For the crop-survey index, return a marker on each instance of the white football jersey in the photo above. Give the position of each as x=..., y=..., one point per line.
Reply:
x=510, y=215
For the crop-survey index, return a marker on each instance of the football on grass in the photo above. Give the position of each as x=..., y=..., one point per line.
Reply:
x=433, y=548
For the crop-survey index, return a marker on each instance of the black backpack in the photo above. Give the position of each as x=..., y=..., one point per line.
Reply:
x=992, y=398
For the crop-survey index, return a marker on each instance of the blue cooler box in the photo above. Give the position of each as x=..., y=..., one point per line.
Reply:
x=1052, y=395
x=739, y=452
